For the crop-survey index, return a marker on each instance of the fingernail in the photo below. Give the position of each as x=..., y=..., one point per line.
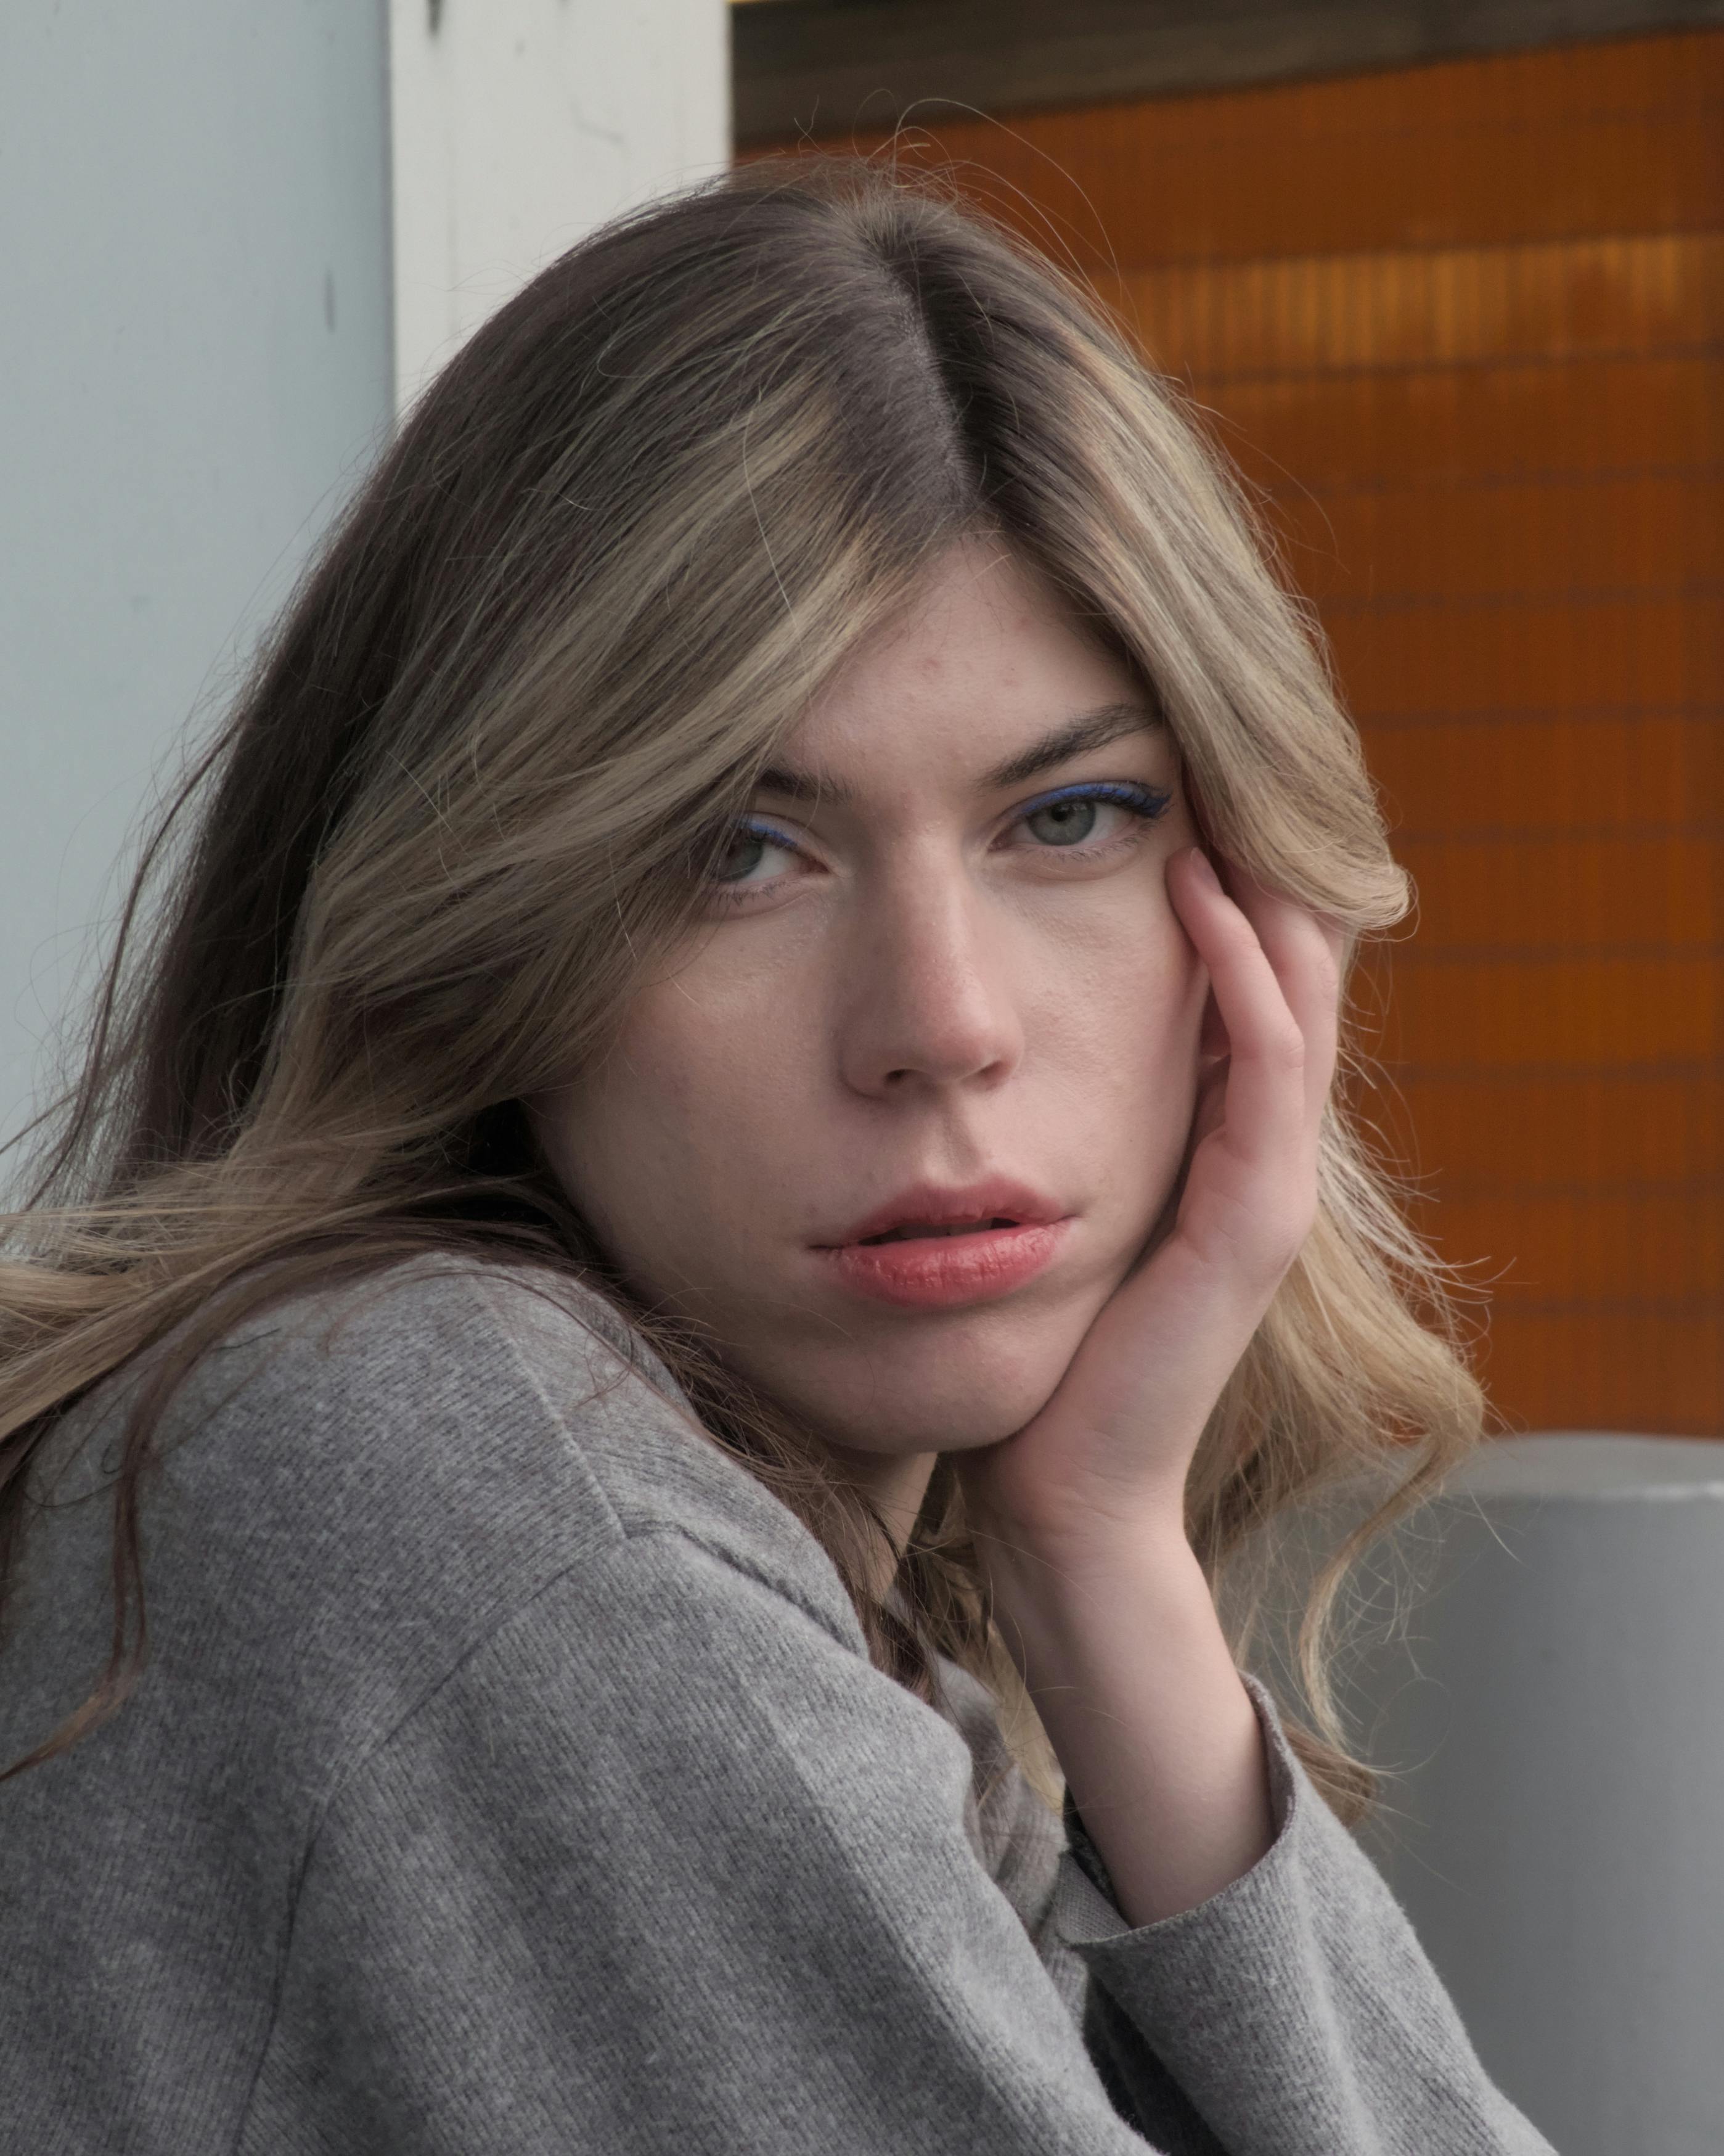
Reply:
x=1204, y=869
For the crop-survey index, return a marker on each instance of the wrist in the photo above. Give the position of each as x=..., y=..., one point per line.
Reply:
x=1079, y=1565
x=1123, y=1653
x=1074, y=1610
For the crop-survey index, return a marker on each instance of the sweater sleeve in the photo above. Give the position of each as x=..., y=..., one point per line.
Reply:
x=1293, y=2011
x=663, y=1863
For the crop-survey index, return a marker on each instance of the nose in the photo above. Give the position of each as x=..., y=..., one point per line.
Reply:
x=929, y=1000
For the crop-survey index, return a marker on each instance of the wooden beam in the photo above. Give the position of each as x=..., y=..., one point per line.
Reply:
x=825, y=66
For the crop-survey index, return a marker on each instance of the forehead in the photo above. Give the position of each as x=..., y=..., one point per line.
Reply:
x=987, y=662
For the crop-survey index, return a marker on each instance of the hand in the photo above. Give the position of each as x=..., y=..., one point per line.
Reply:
x=1080, y=1517
x=1106, y=1458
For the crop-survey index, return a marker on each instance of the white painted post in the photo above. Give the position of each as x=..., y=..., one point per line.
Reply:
x=519, y=124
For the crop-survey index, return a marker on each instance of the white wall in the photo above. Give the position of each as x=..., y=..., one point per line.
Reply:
x=518, y=125
x=218, y=271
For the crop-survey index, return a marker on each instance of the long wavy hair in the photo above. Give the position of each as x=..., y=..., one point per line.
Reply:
x=485, y=757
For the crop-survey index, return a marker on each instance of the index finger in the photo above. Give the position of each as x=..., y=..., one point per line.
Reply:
x=1306, y=951
x=1268, y=1114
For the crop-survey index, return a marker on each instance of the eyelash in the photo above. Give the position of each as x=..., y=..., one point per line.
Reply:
x=1145, y=803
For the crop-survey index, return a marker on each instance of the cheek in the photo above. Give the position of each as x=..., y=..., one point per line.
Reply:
x=1118, y=1038
x=1122, y=996
x=662, y=1147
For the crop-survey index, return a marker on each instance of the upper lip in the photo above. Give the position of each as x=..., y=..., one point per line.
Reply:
x=933, y=1205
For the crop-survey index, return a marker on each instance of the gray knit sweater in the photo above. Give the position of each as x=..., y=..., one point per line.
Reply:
x=508, y=1775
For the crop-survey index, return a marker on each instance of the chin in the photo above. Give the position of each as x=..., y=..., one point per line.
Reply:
x=944, y=1389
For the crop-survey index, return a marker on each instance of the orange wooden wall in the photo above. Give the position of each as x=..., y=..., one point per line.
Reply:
x=1465, y=325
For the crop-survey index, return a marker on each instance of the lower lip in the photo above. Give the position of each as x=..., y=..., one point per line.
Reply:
x=938, y=1272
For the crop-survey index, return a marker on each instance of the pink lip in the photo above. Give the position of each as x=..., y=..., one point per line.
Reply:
x=935, y=1272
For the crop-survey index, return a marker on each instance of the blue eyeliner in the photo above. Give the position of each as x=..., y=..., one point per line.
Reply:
x=1147, y=801
x=757, y=829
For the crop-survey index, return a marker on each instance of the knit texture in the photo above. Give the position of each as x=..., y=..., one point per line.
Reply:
x=508, y=1773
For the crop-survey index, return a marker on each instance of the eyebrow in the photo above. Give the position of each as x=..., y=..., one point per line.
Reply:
x=1093, y=730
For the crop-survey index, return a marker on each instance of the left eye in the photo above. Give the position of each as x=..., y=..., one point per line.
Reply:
x=1068, y=820
x=1064, y=822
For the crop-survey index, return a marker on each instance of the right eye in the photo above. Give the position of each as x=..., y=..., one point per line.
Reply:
x=751, y=851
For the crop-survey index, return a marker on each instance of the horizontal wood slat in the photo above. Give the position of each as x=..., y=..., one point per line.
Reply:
x=1544, y=536
x=1605, y=1013
x=1532, y=655
x=1499, y=1132
x=1570, y=416
x=1577, y=1247
x=1572, y=299
x=1459, y=155
x=1601, y=773
x=1559, y=893
x=1634, y=1368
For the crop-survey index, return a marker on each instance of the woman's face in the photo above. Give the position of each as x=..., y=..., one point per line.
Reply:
x=940, y=987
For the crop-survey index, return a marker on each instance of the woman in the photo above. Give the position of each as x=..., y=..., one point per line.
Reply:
x=701, y=1184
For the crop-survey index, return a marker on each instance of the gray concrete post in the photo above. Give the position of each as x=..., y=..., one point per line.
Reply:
x=1556, y=1834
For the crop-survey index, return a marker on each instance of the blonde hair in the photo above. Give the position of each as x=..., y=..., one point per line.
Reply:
x=471, y=789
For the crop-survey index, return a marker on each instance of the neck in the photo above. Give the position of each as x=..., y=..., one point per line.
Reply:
x=895, y=1486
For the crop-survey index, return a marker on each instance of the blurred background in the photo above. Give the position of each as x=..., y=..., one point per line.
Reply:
x=1447, y=282
x=1460, y=322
